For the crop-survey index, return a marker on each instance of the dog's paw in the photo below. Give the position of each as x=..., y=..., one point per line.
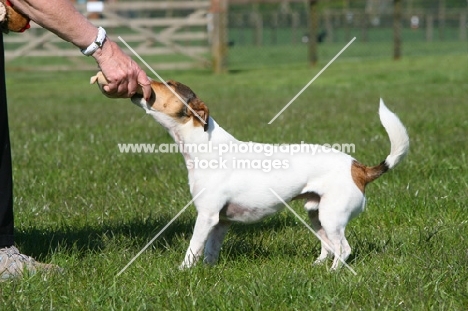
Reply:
x=320, y=261
x=184, y=266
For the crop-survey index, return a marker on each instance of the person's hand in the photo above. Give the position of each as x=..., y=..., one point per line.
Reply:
x=124, y=76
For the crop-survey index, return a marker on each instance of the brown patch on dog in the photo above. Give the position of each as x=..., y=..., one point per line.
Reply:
x=168, y=103
x=202, y=111
x=184, y=91
x=194, y=103
x=358, y=172
x=362, y=175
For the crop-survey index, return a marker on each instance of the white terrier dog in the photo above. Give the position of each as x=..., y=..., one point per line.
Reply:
x=241, y=181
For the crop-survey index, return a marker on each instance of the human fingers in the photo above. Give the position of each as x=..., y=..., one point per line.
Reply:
x=145, y=84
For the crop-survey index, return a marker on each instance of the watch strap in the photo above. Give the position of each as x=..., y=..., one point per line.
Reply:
x=98, y=43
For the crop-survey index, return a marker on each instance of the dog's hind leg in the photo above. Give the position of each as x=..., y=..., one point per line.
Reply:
x=336, y=209
x=340, y=245
x=312, y=206
x=214, y=242
x=334, y=223
x=324, y=242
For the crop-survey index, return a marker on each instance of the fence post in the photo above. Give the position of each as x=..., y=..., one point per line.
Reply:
x=257, y=20
x=364, y=21
x=396, y=29
x=313, y=31
x=348, y=19
x=329, y=26
x=218, y=11
x=463, y=26
x=441, y=20
x=295, y=21
x=274, y=28
x=429, y=28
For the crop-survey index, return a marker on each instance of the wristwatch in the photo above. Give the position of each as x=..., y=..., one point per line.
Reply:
x=98, y=43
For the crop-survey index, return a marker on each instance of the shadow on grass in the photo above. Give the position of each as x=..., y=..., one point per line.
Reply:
x=133, y=233
x=243, y=241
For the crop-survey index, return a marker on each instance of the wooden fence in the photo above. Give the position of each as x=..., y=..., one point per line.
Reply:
x=178, y=32
x=184, y=34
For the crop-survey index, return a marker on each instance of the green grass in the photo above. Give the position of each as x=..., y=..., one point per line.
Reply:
x=248, y=57
x=86, y=207
x=272, y=36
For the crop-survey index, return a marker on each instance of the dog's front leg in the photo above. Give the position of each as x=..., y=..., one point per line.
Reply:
x=215, y=240
x=203, y=227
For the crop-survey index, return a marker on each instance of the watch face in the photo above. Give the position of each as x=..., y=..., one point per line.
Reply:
x=100, y=43
x=101, y=37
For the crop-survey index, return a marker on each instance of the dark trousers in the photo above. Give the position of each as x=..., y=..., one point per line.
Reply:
x=6, y=179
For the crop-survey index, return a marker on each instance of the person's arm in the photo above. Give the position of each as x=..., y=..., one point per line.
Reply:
x=61, y=17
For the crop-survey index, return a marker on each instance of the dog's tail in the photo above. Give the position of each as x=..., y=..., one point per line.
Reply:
x=399, y=142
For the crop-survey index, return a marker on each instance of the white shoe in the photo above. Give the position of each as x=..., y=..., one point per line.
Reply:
x=13, y=264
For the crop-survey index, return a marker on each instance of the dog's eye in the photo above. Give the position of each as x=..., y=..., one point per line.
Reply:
x=183, y=112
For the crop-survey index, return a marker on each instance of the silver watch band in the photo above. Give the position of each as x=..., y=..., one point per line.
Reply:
x=101, y=37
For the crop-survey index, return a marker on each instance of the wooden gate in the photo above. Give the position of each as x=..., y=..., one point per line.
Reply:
x=170, y=34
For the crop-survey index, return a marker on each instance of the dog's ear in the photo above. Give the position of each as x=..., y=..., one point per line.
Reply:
x=195, y=104
x=202, y=111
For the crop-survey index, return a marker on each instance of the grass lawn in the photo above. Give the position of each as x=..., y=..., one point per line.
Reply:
x=88, y=208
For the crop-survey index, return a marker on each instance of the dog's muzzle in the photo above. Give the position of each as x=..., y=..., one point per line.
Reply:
x=138, y=100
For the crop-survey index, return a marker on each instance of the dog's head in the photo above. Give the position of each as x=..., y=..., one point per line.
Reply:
x=176, y=101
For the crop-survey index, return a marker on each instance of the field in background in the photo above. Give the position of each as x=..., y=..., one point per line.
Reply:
x=88, y=208
x=249, y=57
x=177, y=35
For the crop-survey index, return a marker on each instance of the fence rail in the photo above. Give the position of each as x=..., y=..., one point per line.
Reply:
x=176, y=29
x=196, y=34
